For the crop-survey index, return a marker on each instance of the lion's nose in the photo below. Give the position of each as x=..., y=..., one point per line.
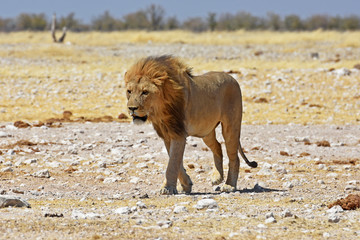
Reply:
x=133, y=108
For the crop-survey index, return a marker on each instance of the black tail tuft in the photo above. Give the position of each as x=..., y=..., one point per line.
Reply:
x=253, y=164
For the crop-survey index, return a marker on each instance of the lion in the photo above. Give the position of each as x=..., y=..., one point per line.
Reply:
x=163, y=91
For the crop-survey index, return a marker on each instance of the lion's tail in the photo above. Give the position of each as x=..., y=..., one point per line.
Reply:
x=251, y=164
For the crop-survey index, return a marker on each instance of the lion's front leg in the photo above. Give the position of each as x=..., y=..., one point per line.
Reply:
x=176, y=152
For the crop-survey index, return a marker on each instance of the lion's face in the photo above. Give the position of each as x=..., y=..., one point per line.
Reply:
x=142, y=96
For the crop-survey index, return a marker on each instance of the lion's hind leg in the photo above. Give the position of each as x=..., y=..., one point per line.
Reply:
x=231, y=133
x=217, y=175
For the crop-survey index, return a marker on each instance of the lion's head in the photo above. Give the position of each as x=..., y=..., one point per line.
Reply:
x=156, y=92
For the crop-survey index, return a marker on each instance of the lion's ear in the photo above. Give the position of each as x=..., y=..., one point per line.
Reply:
x=125, y=77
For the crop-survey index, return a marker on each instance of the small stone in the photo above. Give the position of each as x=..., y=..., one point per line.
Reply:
x=206, y=203
x=141, y=205
x=102, y=165
x=270, y=220
x=335, y=209
x=288, y=185
x=164, y=224
x=134, y=180
x=321, y=182
x=332, y=175
x=12, y=201
x=3, y=135
x=7, y=169
x=123, y=210
x=333, y=218
x=286, y=213
x=180, y=209
x=352, y=187
x=42, y=174
x=30, y=161
x=80, y=215
x=142, y=165
x=269, y=215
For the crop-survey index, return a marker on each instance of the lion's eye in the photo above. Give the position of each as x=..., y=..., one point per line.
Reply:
x=145, y=92
x=129, y=91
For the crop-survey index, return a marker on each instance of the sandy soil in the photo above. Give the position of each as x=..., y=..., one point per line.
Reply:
x=103, y=179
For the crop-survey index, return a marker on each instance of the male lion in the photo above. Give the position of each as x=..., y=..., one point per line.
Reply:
x=163, y=91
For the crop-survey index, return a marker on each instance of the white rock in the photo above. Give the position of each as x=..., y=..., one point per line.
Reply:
x=123, y=210
x=141, y=205
x=102, y=165
x=335, y=209
x=288, y=185
x=353, y=182
x=180, y=209
x=42, y=174
x=3, y=135
x=342, y=72
x=206, y=203
x=12, y=201
x=164, y=224
x=142, y=165
x=352, y=187
x=332, y=175
x=333, y=218
x=270, y=220
x=110, y=180
x=269, y=215
x=53, y=164
x=134, y=180
x=7, y=169
x=30, y=161
x=264, y=172
x=286, y=213
x=80, y=215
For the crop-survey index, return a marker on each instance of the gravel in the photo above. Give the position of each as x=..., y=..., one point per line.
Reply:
x=110, y=181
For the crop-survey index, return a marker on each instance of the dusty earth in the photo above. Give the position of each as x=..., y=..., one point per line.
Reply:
x=101, y=181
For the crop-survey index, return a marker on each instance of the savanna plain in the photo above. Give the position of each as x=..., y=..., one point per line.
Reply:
x=69, y=149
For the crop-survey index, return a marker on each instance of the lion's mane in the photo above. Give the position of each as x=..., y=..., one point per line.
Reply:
x=172, y=77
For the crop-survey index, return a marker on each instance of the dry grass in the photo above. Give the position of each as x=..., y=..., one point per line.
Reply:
x=40, y=79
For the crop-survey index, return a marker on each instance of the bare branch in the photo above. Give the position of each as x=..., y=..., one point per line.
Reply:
x=53, y=30
x=53, y=27
x=61, y=39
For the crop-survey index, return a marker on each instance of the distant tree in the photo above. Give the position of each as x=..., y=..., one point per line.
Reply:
x=211, y=20
x=106, y=22
x=351, y=23
x=195, y=24
x=155, y=15
x=317, y=22
x=70, y=22
x=35, y=22
x=226, y=22
x=137, y=20
x=7, y=24
x=274, y=21
x=293, y=23
x=245, y=20
x=171, y=23
x=335, y=23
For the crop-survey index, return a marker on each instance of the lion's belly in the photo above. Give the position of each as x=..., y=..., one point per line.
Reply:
x=200, y=128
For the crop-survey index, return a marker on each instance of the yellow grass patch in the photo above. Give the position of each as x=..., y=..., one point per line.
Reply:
x=40, y=79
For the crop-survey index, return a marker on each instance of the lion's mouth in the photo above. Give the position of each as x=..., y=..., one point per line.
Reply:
x=139, y=120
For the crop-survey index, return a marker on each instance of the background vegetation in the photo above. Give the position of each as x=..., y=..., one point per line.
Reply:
x=154, y=18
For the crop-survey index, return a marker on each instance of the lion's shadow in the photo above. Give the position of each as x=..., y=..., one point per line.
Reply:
x=256, y=189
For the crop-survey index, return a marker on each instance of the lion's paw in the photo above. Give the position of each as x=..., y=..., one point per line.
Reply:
x=216, y=178
x=227, y=188
x=168, y=190
x=185, y=189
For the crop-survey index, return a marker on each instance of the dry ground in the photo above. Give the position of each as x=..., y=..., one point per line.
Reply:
x=301, y=123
